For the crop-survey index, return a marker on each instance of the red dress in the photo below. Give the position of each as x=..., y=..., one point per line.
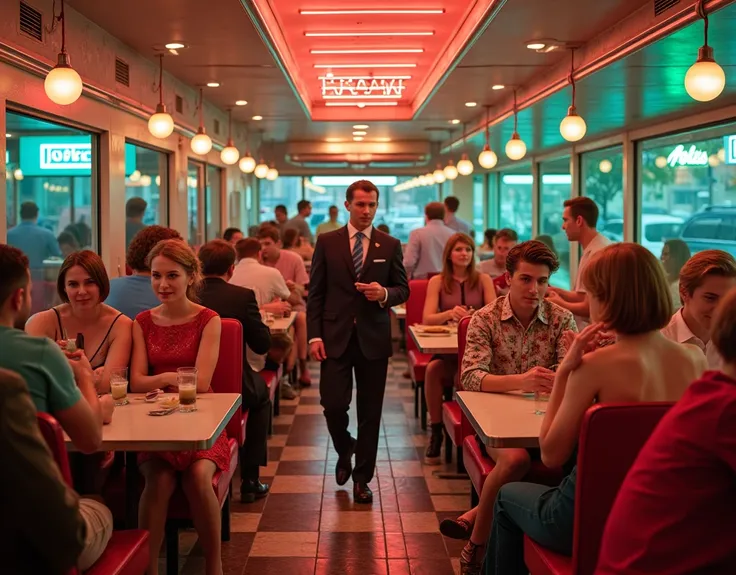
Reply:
x=169, y=348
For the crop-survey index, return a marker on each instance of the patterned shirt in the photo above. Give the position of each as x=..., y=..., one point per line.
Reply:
x=498, y=344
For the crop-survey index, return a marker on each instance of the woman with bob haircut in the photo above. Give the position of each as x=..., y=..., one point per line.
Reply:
x=457, y=291
x=629, y=295
x=178, y=333
x=83, y=287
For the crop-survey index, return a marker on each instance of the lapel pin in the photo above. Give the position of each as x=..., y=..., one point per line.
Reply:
x=378, y=245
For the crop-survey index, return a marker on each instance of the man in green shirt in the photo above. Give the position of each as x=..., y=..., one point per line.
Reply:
x=330, y=225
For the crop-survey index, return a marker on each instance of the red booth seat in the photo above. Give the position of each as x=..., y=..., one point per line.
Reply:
x=457, y=426
x=418, y=361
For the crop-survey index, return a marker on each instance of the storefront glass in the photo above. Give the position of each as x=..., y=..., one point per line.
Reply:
x=555, y=188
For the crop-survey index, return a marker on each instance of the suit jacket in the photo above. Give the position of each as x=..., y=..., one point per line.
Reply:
x=335, y=306
x=235, y=302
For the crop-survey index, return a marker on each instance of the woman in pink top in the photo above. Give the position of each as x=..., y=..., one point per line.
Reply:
x=178, y=333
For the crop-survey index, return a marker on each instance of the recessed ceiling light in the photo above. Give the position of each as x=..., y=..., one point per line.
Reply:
x=330, y=66
x=372, y=51
x=358, y=139
x=497, y=87
x=213, y=84
x=372, y=11
x=536, y=45
x=175, y=46
x=471, y=104
x=360, y=133
x=360, y=127
x=355, y=34
x=241, y=102
x=257, y=118
x=455, y=121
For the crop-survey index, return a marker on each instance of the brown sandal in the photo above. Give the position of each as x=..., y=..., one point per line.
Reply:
x=456, y=528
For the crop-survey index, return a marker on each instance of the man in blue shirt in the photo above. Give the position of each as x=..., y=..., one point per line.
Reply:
x=133, y=294
x=452, y=204
x=35, y=242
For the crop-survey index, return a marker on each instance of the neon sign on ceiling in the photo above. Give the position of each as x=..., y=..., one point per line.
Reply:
x=362, y=87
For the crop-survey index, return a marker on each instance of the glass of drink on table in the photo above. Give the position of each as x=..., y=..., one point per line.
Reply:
x=119, y=385
x=186, y=380
x=541, y=399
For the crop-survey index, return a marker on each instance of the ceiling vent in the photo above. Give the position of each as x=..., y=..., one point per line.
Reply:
x=122, y=72
x=661, y=6
x=31, y=22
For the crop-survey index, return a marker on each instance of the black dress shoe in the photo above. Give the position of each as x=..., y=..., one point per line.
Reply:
x=362, y=493
x=344, y=465
x=252, y=489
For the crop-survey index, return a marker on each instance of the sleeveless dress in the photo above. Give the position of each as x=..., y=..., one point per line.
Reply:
x=61, y=334
x=169, y=348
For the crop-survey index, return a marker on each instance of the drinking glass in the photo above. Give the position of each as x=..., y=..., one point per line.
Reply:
x=186, y=379
x=541, y=398
x=119, y=385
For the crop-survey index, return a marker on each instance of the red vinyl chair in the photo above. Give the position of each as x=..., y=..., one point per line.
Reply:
x=228, y=378
x=610, y=440
x=418, y=361
x=127, y=552
x=457, y=426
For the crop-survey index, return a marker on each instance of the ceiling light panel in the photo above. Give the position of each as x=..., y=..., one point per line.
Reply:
x=342, y=12
x=360, y=127
x=364, y=34
x=371, y=51
x=374, y=65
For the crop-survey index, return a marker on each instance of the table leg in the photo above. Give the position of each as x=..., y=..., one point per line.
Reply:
x=131, y=489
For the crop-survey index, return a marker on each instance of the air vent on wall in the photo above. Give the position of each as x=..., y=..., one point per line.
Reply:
x=179, y=105
x=663, y=5
x=122, y=72
x=31, y=22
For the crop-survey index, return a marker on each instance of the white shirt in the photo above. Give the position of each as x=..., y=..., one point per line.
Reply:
x=266, y=282
x=352, y=230
x=677, y=330
x=598, y=242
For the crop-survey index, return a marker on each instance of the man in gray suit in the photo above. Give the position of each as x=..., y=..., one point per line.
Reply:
x=423, y=255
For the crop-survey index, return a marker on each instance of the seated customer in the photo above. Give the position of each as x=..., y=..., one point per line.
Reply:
x=59, y=385
x=459, y=290
x=49, y=528
x=294, y=243
x=83, y=286
x=231, y=301
x=503, y=241
x=680, y=493
x=704, y=280
x=133, y=294
x=178, y=333
x=628, y=293
x=232, y=235
x=675, y=254
x=512, y=344
x=485, y=251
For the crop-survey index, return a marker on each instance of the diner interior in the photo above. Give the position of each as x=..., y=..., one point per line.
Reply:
x=214, y=115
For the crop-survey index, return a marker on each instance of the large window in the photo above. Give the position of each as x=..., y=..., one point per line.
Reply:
x=285, y=190
x=686, y=184
x=479, y=196
x=515, y=202
x=603, y=179
x=212, y=202
x=195, y=181
x=50, y=188
x=146, y=173
x=555, y=188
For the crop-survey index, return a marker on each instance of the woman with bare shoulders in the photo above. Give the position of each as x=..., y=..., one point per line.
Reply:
x=628, y=295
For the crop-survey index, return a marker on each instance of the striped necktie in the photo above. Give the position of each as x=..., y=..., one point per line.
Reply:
x=358, y=253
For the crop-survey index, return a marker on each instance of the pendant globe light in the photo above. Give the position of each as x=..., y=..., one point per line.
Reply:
x=465, y=166
x=230, y=154
x=63, y=85
x=247, y=164
x=439, y=175
x=261, y=170
x=201, y=143
x=161, y=124
x=515, y=147
x=705, y=79
x=450, y=170
x=487, y=158
x=572, y=127
x=272, y=173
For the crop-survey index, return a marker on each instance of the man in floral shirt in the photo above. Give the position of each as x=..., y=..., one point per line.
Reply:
x=512, y=344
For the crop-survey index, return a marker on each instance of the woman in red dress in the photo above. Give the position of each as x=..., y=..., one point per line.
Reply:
x=178, y=333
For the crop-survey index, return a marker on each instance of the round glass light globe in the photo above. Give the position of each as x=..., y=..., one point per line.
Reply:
x=660, y=162
x=145, y=180
x=573, y=128
x=161, y=125
x=272, y=174
x=230, y=155
x=18, y=174
x=515, y=149
x=201, y=144
x=261, y=171
x=247, y=164
x=488, y=159
x=465, y=167
x=439, y=176
x=705, y=81
x=450, y=171
x=63, y=85
x=135, y=176
x=605, y=166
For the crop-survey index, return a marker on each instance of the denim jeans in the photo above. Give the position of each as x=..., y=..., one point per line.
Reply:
x=545, y=514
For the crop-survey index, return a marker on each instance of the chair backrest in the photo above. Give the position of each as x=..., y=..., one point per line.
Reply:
x=610, y=439
x=462, y=336
x=415, y=308
x=54, y=438
x=228, y=376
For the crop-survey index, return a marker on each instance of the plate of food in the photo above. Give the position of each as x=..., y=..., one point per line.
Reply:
x=433, y=330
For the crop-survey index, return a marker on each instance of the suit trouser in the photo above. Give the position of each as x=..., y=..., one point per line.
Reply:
x=254, y=453
x=336, y=390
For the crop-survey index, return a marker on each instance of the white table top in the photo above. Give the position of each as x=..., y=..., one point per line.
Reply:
x=132, y=429
x=282, y=324
x=502, y=419
x=399, y=311
x=434, y=344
